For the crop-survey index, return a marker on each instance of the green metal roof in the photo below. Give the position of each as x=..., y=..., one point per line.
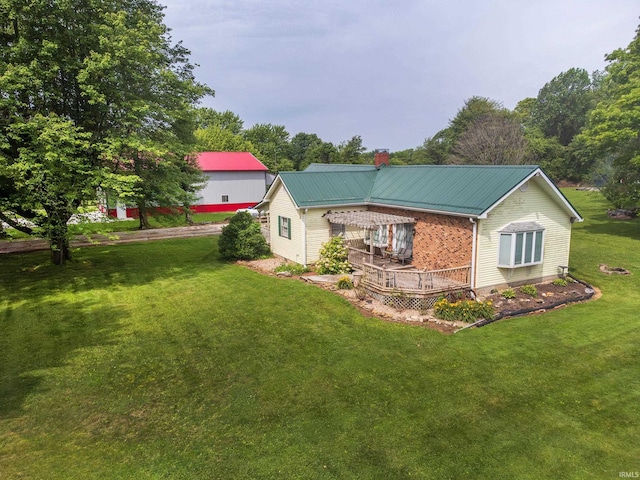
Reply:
x=339, y=167
x=311, y=189
x=453, y=189
x=462, y=189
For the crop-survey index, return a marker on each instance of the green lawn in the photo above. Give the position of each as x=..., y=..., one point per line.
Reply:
x=158, y=360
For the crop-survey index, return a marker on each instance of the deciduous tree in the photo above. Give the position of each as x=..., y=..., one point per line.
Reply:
x=87, y=89
x=613, y=129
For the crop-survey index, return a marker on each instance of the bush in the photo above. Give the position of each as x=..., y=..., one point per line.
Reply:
x=292, y=268
x=508, y=293
x=345, y=283
x=241, y=239
x=530, y=290
x=561, y=282
x=333, y=257
x=463, y=310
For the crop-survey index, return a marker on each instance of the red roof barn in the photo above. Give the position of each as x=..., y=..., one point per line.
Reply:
x=234, y=180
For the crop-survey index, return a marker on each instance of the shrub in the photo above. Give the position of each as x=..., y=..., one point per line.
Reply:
x=333, y=257
x=530, y=290
x=292, y=268
x=345, y=283
x=508, y=293
x=561, y=282
x=241, y=239
x=463, y=310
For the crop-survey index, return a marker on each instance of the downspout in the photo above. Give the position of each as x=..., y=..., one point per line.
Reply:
x=473, y=255
x=304, y=237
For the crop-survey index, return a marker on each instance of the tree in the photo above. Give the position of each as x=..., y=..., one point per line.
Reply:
x=300, y=148
x=272, y=143
x=439, y=148
x=493, y=139
x=350, y=151
x=563, y=104
x=613, y=129
x=87, y=89
x=226, y=121
x=241, y=239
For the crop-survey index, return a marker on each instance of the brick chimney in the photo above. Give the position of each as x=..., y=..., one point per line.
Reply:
x=381, y=157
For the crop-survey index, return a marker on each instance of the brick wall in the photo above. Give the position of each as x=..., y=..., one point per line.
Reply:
x=439, y=241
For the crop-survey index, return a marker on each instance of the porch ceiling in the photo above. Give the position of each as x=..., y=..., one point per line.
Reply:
x=366, y=219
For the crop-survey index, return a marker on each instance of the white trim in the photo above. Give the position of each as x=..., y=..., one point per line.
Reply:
x=304, y=237
x=474, y=246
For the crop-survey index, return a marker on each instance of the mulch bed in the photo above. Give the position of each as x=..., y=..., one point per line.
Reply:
x=549, y=296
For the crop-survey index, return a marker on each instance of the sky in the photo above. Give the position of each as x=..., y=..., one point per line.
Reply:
x=393, y=72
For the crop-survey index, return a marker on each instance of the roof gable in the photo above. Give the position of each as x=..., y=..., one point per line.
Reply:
x=229, y=161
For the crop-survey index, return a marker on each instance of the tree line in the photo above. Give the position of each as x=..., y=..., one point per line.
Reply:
x=96, y=96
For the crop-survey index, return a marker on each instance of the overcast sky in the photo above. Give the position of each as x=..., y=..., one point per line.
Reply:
x=393, y=72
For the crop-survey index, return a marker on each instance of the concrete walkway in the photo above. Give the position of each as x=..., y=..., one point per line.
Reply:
x=32, y=245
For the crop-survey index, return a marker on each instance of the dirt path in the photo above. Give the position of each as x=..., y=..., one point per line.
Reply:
x=32, y=245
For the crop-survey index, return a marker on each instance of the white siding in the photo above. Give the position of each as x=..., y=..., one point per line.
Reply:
x=532, y=205
x=240, y=187
x=282, y=205
x=319, y=230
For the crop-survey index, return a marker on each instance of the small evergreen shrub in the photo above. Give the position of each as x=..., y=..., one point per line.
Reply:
x=508, y=293
x=530, y=290
x=467, y=311
x=241, y=239
x=561, y=282
x=345, y=283
x=333, y=257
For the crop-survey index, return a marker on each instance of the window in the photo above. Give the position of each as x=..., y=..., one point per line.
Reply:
x=402, y=236
x=225, y=198
x=521, y=245
x=380, y=236
x=337, y=229
x=284, y=227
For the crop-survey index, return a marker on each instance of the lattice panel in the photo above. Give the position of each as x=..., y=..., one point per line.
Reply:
x=403, y=302
x=400, y=302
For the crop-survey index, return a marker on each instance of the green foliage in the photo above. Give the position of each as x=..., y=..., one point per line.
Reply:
x=333, y=257
x=463, y=310
x=102, y=80
x=241, y=239
x=530, y=290
x=612, y=130
x=561, y=282
x=508, y=293
x=292, y=268
x=345, y=283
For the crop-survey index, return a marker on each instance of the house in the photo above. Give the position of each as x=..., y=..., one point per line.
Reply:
x=234, y=180
x=474, y=227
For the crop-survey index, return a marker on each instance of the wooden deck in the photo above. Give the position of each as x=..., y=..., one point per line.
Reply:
x=384, y=275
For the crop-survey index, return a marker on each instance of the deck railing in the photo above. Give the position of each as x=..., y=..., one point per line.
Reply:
x=359, y=256
x=421, y=282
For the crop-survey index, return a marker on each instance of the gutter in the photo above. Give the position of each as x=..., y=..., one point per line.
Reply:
x=474, y=247
x=304, y=237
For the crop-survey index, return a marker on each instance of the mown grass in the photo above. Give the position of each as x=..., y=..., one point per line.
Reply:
x=159, y=361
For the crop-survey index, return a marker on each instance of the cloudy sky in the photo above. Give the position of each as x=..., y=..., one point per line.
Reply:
x=393, y=72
